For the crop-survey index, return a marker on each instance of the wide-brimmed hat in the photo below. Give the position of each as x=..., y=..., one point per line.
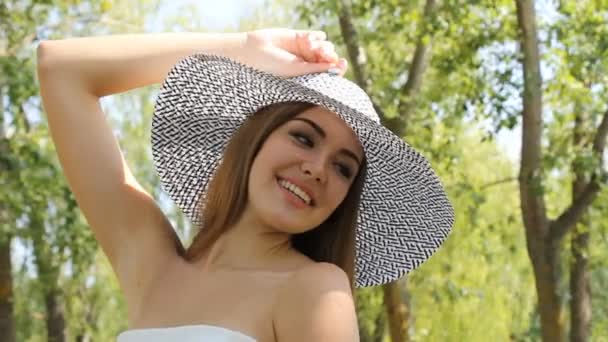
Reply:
x=404, y=214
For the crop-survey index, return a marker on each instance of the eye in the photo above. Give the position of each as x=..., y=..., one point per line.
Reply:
x=303, y=139
x=345, y=170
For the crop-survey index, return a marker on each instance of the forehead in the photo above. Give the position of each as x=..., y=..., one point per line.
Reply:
x=335, y=128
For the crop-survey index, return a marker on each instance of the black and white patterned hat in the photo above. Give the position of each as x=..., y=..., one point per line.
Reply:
x=404, y=214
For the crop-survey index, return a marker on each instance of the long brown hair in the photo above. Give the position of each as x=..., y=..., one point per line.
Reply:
x=332, y=241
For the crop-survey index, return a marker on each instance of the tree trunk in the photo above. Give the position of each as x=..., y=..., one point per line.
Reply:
x=55, y=321
x=396, y=302
x=48, y=276
x=396, y=298
x=7, y=322
x=580, y=287
x=545, y=262
x=380, y=325
x=543, y=249
x=377, y=335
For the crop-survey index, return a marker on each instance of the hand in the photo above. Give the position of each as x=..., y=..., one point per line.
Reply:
x=287, y=53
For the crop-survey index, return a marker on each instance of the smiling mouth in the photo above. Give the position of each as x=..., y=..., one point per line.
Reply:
x=296, y=191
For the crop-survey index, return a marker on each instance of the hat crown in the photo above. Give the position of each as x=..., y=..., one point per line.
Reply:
x=340, y=89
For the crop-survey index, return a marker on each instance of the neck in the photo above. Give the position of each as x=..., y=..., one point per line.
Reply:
x=247, y=245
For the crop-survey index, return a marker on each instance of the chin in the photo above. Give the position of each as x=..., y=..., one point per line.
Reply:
x=283, y=223
x=275, y=211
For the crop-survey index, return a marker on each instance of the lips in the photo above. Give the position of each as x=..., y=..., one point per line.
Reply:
x=300, y=191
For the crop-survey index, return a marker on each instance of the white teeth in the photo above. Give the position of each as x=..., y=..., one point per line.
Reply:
x=296, y=190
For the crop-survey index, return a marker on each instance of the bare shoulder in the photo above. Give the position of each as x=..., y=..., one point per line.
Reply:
x=320, y=275
x=316, y=304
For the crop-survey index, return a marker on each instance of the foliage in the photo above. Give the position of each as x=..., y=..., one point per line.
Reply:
x=474, y=79
x=477, y=287
x=54, y=248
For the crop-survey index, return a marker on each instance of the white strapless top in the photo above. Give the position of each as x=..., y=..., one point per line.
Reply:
x=184, y=333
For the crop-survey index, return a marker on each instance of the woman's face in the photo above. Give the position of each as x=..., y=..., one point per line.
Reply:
x=303, y=171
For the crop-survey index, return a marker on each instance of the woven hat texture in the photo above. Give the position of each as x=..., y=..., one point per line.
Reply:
x=404, y=215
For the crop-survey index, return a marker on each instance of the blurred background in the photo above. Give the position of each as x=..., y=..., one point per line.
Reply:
x=521, y=158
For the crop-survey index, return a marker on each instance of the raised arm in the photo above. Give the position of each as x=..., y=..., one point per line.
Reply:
x=112, y=64
x=75, y=73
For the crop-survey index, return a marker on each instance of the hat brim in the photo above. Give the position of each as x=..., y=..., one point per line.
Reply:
x=404, y=214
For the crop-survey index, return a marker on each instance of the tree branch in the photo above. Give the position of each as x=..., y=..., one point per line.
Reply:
x=568, y=219
x=396, y=309
x=356, y=53
x=497, y=182
x=599, y=143
x=416, y=70
x=417, y=67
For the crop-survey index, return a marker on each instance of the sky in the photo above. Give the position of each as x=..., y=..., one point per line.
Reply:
x=213, y=14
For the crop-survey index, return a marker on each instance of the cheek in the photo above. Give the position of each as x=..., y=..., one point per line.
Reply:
x=261, y=178
x=259, y=173
x=337, y=193
x=261, y=161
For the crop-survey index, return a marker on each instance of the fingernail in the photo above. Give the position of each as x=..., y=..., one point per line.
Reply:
x=343, y=62
x=334, y=71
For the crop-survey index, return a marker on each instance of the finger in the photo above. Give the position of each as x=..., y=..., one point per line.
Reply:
x=294, y=40
x=298, y=67
x=308, y=68
x=325, y=51
x=319, y=51
x=339, y=68
x=343, y=65
x=314, y=34
x=305, y=50
x=322, y=44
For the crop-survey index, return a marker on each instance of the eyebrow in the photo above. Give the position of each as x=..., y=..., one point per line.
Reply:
x=321, y=132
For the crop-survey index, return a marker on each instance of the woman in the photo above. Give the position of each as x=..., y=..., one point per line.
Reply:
x=279, y=160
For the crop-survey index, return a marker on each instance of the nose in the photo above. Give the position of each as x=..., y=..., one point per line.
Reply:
x=315, y=169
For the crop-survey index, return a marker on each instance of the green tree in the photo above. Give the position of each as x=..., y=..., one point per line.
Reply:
x=468, y=57
x=417, y=61
x=443, y=75
x=39, y=214
x=587, y=134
